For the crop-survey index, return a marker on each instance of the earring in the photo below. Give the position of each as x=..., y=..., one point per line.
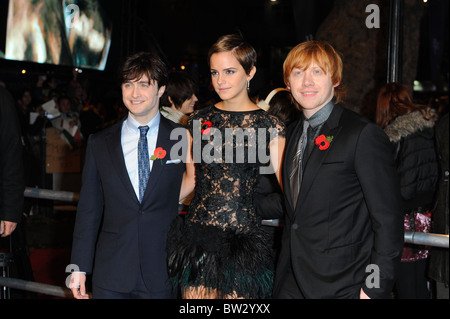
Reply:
x=248, y=85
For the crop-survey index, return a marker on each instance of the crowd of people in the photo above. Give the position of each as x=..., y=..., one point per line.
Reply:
x=64, y=105
x=153, y=223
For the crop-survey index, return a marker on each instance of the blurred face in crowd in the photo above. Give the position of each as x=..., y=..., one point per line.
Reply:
x=26, y=98
x=188, y=106
x=64, y=105
x=141, y=97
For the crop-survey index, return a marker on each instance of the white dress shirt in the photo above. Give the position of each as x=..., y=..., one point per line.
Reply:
x=130, y=140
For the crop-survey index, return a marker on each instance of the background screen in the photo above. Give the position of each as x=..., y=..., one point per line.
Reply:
x=62, y=32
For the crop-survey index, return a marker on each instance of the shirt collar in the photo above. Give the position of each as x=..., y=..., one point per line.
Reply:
x=321, y=116
x=133, y=125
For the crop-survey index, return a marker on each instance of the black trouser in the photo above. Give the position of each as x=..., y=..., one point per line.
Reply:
x=140, y=291
x=412, y=281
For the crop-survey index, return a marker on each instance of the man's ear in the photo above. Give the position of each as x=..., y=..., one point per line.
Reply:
x=161, y=90
x=170, y=100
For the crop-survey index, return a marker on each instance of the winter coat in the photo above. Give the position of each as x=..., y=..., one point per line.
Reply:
x=417, y=166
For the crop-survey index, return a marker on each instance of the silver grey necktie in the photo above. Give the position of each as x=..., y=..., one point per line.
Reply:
x=297, y=170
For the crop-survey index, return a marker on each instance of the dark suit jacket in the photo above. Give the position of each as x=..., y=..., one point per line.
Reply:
x=123, y=235
x=12, y=184
x=348, y=213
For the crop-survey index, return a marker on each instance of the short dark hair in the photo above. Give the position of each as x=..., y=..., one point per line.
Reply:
x=179, y=88
x=283, y=106
x=242, y=50
x=144, y=63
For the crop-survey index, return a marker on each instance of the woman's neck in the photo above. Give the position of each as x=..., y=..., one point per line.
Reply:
x=237, y=104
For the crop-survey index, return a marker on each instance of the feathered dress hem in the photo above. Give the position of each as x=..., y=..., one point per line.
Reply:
x=233, y=262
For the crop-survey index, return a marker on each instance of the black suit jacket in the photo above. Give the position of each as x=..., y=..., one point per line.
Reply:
x=12, y=184
x=122, y=235
x=347, y=217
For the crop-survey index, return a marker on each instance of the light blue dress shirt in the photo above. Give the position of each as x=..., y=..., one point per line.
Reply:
x=130, y=140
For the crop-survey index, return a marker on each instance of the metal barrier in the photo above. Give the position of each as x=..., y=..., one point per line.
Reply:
x=35, y=287
x=51, y=194
x=5, y=260
x=427, y=239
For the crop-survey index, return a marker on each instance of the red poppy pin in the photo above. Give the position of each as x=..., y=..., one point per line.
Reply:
x=159, y=153
x=323, y=141
x=206, y=127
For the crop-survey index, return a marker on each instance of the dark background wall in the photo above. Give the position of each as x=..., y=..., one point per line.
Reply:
x=182, y=31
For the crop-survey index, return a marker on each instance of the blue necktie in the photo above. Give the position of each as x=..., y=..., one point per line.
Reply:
x=143, y=161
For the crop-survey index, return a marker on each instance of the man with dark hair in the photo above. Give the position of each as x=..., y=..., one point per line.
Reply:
x=178, y=101
x=130, y=193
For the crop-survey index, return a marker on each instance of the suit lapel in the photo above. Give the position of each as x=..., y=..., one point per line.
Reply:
x=116, y=155
x=330, y=128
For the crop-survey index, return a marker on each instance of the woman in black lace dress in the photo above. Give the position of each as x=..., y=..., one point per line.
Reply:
x=221, y=251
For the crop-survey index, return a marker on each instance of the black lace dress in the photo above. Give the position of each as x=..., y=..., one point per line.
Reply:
x=221, y=244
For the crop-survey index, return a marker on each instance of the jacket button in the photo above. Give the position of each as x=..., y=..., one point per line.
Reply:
x=141, y=211
x=294, y=226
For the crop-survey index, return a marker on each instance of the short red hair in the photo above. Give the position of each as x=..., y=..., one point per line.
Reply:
x=321, y=52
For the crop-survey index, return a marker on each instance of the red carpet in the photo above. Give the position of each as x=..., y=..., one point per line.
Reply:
x=49, y=266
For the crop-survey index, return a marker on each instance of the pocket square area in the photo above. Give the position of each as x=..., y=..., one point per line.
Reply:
x=175, y=161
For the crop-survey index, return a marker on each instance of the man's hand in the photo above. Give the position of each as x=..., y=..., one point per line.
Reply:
x=78, y=285
x=6, y=228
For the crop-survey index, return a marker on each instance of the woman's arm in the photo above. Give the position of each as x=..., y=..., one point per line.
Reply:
x=188, y=183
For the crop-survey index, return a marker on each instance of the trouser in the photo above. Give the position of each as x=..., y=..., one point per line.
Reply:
x=140, y=291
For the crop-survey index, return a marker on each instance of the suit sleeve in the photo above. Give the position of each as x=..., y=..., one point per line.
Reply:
x=268, y=198
x=89, y=213
x=376, y=172
x=12, y=183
